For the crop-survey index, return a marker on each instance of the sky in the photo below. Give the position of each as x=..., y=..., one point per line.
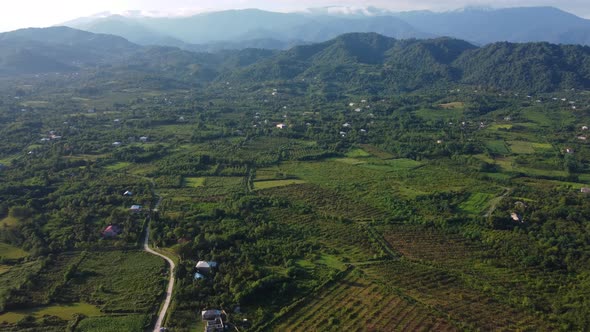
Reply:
x=16, y=14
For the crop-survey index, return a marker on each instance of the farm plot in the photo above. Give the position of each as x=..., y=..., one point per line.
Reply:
x=430, y=245
x=444, y=114
x=497, y=147
x=65, y=312
x=476, y=203
x=117, y=281
x=357, y=304
x=327, y=202
x=193, y=182
x=8, y=251
x=450, y=295
x=258, y=185
x=521, y=147
x=130, y=323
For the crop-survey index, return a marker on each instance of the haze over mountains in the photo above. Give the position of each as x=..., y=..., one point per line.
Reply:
x=237, y=29
x=359, y=61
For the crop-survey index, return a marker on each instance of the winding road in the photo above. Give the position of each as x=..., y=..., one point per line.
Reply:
x=146, y=247
x=170, y=287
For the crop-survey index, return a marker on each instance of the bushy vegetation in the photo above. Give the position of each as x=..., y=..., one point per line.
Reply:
x=449, y=207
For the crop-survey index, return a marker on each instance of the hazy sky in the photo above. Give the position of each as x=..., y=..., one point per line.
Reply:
x=16, y=14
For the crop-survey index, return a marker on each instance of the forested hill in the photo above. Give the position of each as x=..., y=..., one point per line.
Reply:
x=373, y=61
x=358, y=61
x=58, y=49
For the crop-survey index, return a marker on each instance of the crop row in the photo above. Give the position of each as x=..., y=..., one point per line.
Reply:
x=450, y=295
x=356, y=304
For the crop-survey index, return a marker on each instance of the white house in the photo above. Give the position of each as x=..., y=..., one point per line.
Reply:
x=205, y=267
x=143, y=139
x=281, y=126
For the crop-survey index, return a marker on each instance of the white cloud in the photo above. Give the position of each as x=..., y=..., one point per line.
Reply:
x=23, y=13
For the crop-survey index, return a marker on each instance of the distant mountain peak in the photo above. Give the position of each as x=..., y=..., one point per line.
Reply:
x=475, y=8
x=348, y=11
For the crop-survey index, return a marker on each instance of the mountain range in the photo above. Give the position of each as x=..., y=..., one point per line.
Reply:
x=236, y=29
x=358, y=61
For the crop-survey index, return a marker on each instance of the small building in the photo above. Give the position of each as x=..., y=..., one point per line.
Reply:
x=439, y=141
x=214, y=320
x=281, y=126
x=128, y=193
x=205, y=267
x=584, y=127
x=582, y=138
x=117, y=144
x=514, y=216
x=199, y=276
x=346, y=125
x=135, y=208
x=569, y=150
x=143, y=139
x=585, y=190
x=111, y=231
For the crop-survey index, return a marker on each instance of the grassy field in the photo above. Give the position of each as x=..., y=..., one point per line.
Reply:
x=497, y=147
x=453, y=105
x=118, y=166
x=258, y=185
x=499, y=126
x=4, y=269
x=8, y=222
x=119, y=281
x=357, y=153
x=130, y=323
x=476, y=203
x=193, y=182
x=521, y=147
x=445, y=114
x=11, y=252
x=63, y=311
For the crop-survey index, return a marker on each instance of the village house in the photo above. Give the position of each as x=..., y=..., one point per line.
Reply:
x=281, y=125
x=135, y=208
x=214, y=320
x=585, y=190
x=569, y=150
x=584, y=127
x=205, y=267
x=514, y=216
x=111, y=231
x=143, y=139
x=117, y=144
x=128, y=193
